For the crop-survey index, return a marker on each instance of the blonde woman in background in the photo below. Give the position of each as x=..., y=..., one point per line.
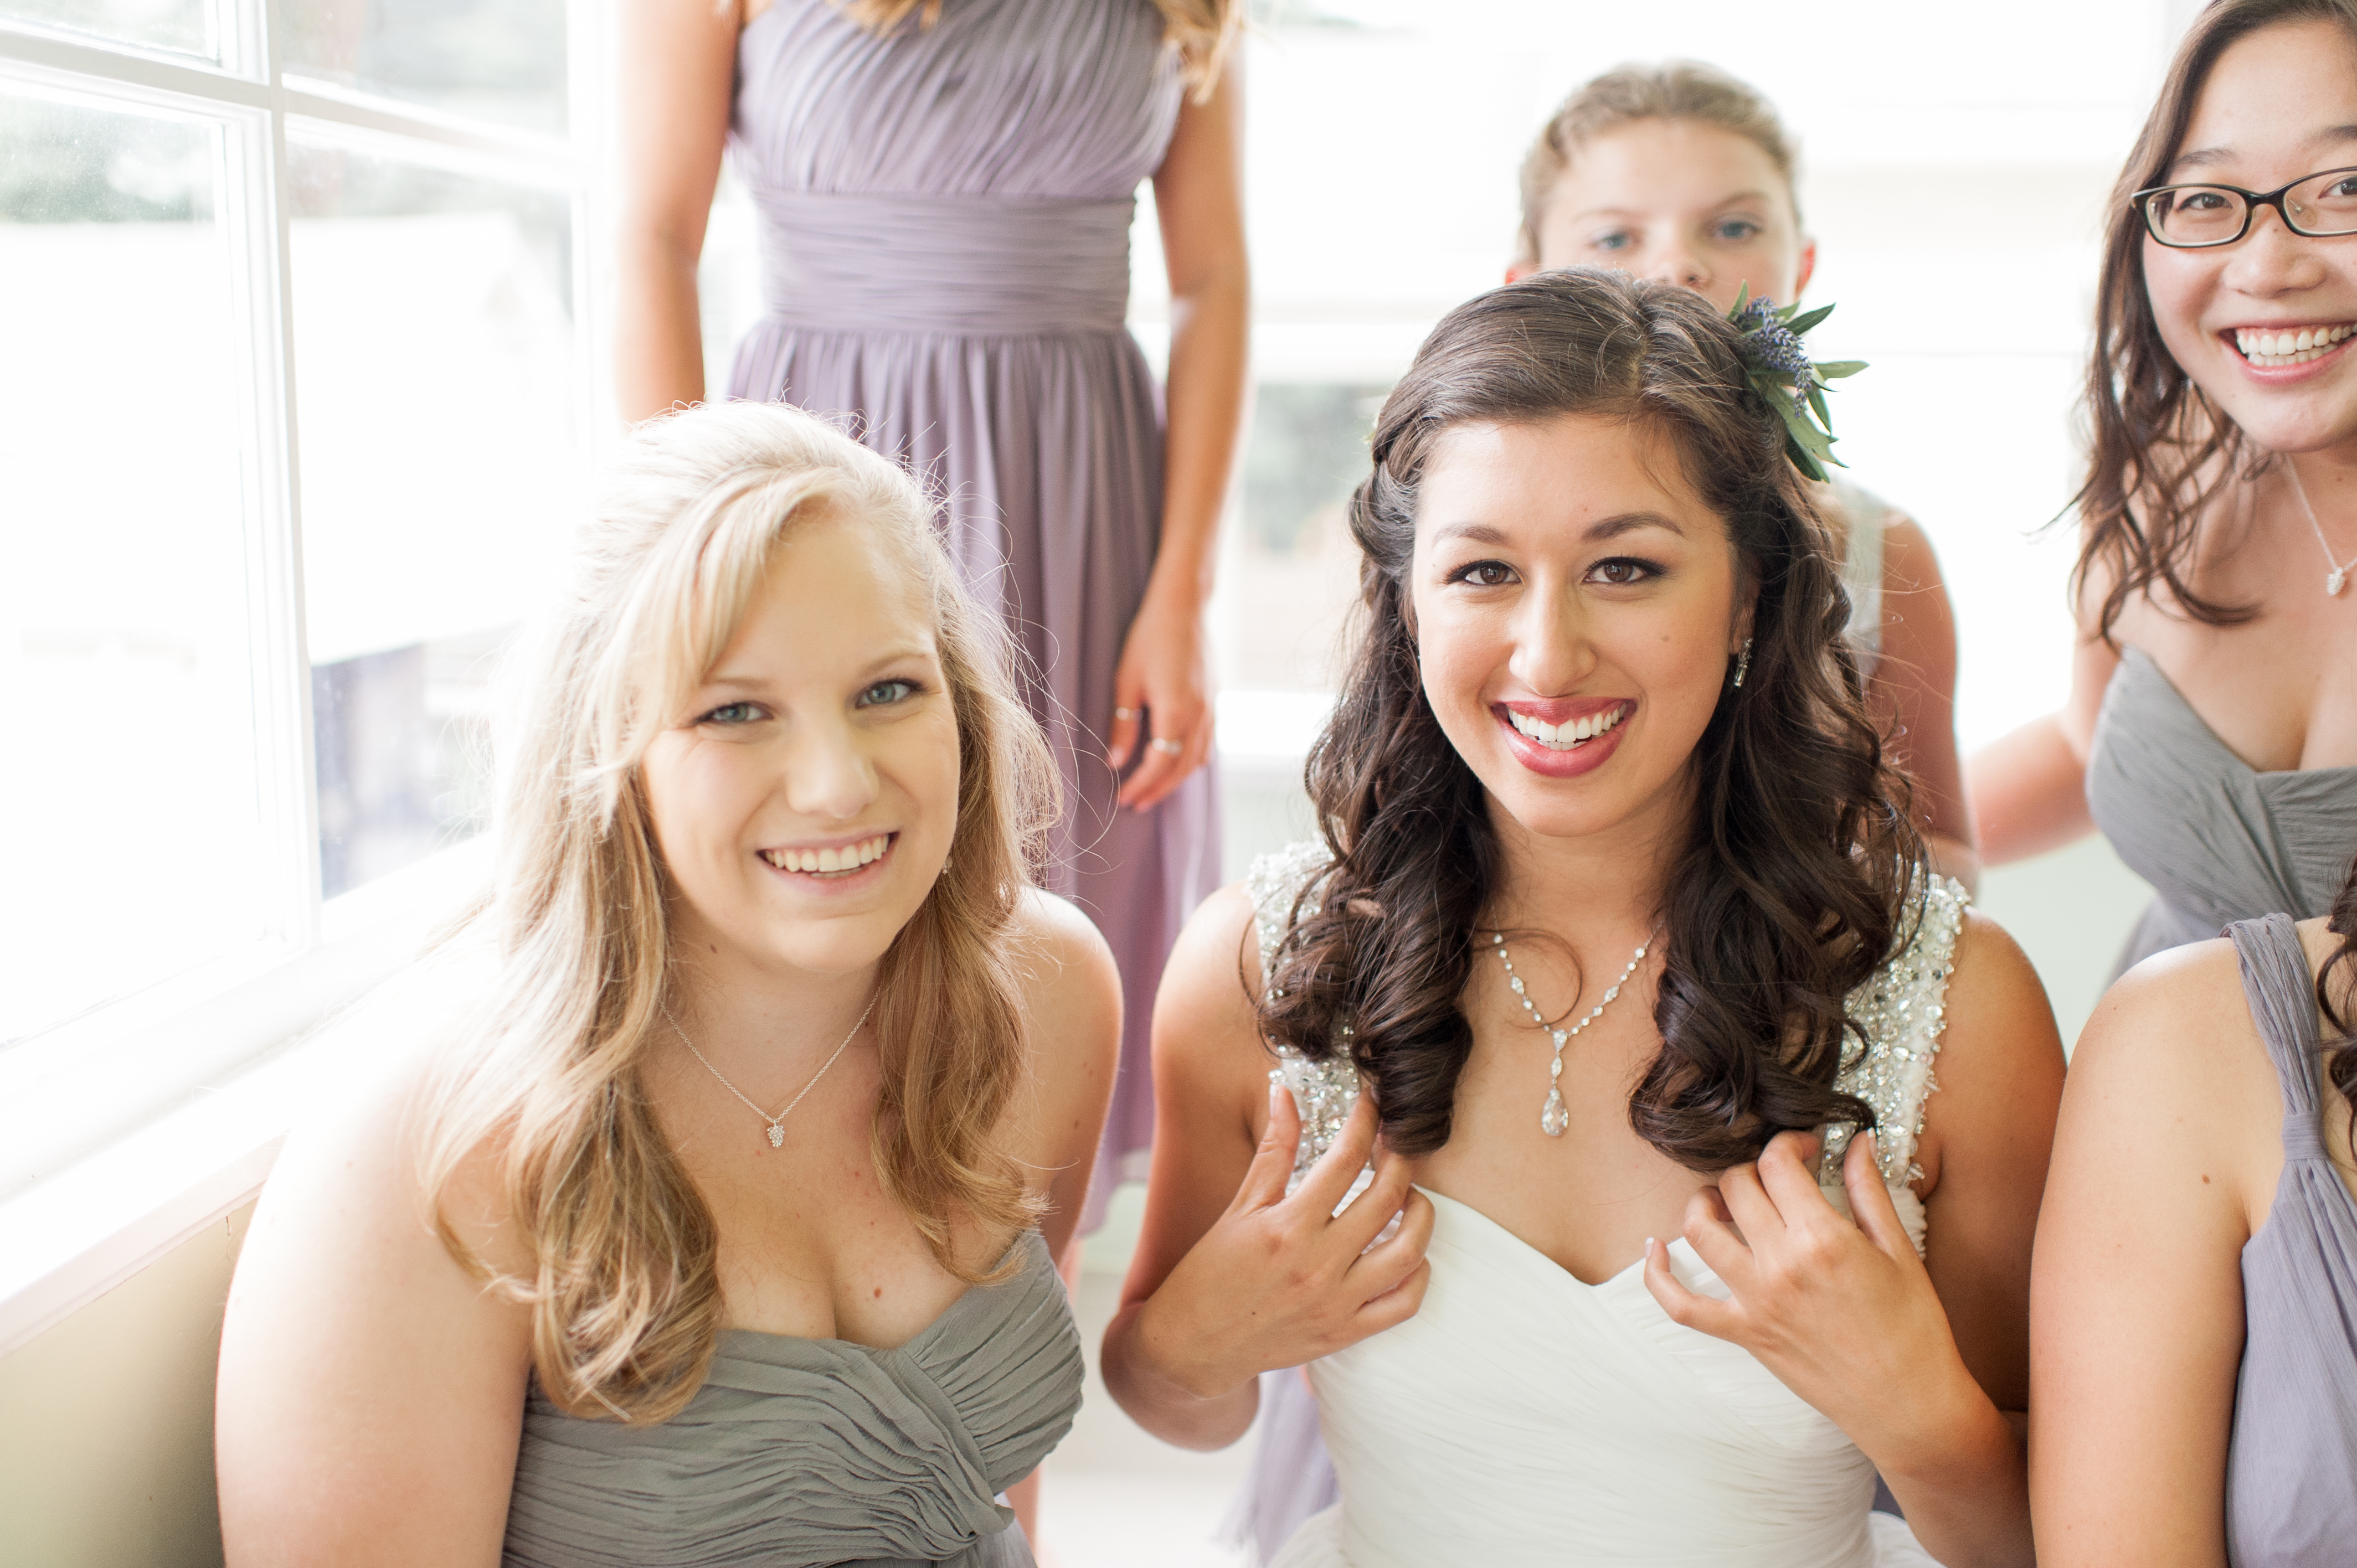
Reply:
x=946, y=190
x=719, y=1226
x=1681, y=174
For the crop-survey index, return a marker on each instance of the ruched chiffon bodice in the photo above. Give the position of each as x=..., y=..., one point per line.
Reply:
x=945, y=217
x=2218, y=840
x=798, y=1453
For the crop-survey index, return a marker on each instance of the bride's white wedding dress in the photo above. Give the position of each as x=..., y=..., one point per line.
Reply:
x=1524, y=1417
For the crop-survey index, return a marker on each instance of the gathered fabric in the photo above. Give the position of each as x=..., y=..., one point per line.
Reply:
x=2218, y=840
x=803, y=1453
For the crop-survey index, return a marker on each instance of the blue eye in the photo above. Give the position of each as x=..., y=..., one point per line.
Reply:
x=1734, y=230
x=732, y=713
x=1613, y=240
x=887, y=692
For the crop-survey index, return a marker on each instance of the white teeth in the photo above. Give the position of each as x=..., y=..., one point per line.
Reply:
x=2272, y=349
x=1564, y=737
x=850, y=858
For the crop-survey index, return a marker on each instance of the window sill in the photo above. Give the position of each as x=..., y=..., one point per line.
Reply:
x=71, y=1236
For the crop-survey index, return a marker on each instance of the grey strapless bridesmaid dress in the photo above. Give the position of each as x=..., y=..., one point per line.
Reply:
x=2218, y=840
x=803, y=1453
x=945, y=217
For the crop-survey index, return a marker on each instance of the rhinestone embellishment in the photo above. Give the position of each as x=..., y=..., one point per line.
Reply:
x=1555, y=1116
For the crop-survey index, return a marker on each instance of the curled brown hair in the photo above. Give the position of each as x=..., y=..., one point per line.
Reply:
x=2163, y=453
x=1674, y=90
x=2341, y=922
x=1794, y=885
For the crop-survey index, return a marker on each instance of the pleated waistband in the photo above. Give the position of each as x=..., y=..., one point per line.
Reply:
x=972, y=266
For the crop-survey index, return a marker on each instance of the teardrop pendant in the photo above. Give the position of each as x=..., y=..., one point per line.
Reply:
x=1556, y=1116
x=777, y=1135
x=2335, y=583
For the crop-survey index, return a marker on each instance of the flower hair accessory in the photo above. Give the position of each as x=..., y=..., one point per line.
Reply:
x=1779, y=369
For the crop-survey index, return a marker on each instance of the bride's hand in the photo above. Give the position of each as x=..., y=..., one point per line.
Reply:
x=1844, y=1315
x=1280, y=1280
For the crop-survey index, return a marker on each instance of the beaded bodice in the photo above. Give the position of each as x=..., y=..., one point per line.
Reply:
x=1900, y=1008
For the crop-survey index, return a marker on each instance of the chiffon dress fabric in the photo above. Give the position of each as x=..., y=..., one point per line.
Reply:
x=2218, y=840
x=2291, y=1464
x=1524, y=1417
x=1292, y=1477
x=800, y=1452
x=944, y=218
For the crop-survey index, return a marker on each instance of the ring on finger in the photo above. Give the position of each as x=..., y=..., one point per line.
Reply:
x=1166, y=746
x=1124, y=716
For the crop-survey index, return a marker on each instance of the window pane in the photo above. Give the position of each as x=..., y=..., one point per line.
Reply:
x=500, y=60
x=1292, y=575
x=184, y=26
x=433, y=358
x=126, y=678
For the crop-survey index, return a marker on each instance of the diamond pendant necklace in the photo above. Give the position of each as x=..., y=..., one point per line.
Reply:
x=1555, y=1116
x=2334, y=579
x=778, y=1122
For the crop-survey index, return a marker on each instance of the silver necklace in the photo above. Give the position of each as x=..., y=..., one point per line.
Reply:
x=1553, y=1117
x=778, y=1122
x=2338, y=577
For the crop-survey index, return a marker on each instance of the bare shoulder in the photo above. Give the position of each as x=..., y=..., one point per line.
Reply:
x=1071, y=988
x=1910, y=563
x=2172, y=1045
x=1213, y=978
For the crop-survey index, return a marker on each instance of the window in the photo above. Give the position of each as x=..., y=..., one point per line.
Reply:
x=291, y=409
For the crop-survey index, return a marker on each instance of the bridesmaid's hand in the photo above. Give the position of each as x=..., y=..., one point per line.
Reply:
x=1281, y=1280
x=1844, y=1315
x=1164, y=681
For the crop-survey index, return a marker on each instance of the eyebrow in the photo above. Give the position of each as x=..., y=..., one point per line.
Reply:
x=1740, y=199
x=749, y=682
x=1595, y=533
x=2210, y=158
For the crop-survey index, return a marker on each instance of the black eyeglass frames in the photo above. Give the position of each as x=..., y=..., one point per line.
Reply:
x=2193, y=217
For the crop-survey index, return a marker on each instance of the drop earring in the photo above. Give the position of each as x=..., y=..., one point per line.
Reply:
x=1743, y=661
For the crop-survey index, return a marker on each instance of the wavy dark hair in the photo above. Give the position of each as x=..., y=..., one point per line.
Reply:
x=2342, y=1066
x=2163, y=452
x=1794, y=885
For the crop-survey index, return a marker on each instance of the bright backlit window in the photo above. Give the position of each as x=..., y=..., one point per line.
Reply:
x=291, y=407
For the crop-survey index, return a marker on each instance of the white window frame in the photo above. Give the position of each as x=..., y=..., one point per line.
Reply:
x=162, y=1112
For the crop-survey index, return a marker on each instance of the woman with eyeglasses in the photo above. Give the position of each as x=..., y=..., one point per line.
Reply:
x=2193, y=1305
x=2213, y=721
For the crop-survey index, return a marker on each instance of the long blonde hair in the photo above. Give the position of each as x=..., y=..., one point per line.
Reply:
x=624, y=1291
x=1201, y=30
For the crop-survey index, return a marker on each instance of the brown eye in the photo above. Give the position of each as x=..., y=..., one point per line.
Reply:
x=1484, y=574
x=1622, y=571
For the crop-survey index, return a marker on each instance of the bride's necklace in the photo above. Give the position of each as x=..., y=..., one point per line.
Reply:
x=1553, y=1117
x=2339, y=575
x=778, y=1122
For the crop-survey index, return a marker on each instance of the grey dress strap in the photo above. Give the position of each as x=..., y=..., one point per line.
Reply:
x=2292, y=1465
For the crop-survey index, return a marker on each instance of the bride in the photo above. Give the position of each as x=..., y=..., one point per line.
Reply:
x=1617, y=918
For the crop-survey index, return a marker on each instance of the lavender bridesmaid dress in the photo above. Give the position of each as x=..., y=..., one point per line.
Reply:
x=945, y=217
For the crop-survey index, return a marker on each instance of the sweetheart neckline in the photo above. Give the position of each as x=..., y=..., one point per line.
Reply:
x=2214, y=739
x=1635, y=1268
